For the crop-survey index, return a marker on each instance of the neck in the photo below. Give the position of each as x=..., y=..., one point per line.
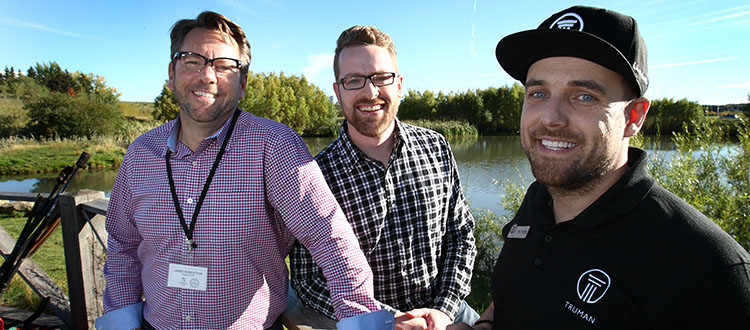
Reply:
x=568, y=204
x=193, y=132
x=376, y=147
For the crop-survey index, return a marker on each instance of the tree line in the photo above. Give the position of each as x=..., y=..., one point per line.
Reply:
x=60, y=103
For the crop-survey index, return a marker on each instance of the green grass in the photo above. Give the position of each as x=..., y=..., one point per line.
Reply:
x=137, y=110
x=18, y=155
x=49, y=256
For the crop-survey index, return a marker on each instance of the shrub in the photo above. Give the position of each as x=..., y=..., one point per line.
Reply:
x=61, y=115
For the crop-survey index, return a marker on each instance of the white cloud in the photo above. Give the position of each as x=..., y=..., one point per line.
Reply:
x=746, y=84
x=317, y=63
x=14, y=22
x=721, y=18
x=669, y=65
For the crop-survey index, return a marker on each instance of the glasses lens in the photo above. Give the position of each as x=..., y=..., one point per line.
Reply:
x=353, y=82
x=225, y=65
x=193, y=62
x=382, y=79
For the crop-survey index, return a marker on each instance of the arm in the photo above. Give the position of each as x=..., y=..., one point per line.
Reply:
x=720, y=301
x=485, y=321
x=460, y=248
x=298, y=191
x=122, y=268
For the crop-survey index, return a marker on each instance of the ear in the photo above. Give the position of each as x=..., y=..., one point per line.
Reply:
x=635, y=114
x=400, y=85
x=243, y=84
x=336, y=91
x=170, y=84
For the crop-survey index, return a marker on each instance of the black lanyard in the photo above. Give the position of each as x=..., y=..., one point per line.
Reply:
x=189, y=230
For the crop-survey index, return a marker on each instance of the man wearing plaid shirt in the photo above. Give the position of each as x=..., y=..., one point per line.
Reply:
x=399, y=187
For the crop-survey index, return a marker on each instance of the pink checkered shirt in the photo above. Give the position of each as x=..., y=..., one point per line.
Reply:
x=267, y=190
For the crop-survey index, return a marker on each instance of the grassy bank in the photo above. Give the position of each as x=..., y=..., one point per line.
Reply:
x=22, y=155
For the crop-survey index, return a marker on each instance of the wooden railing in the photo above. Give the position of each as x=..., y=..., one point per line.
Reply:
x=85, y=243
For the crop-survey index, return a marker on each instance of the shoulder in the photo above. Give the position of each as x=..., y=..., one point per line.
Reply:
x=689, y=230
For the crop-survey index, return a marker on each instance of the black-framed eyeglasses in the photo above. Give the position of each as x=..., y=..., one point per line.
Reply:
x=196, y=62
x=377, y=79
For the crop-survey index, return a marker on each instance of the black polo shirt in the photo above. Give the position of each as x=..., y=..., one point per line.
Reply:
x=637, y=258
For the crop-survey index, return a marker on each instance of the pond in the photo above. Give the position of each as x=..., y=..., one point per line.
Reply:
x=483, y=162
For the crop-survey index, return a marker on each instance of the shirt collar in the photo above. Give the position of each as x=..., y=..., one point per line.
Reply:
x=623, y=196
x=351, y=154
x=175, y=132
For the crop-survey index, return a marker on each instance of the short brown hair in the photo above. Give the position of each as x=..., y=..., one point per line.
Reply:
x=216, y=22
x=363, y=36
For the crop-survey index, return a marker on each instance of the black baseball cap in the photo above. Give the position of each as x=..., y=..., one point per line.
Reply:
x=602, y=36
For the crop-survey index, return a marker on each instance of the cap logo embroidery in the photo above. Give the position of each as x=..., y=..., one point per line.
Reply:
x=592, y=285
x=568, y=21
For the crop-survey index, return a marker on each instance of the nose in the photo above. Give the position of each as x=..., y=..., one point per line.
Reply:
x=370, y=89
x=208, y=75
x=555, y=112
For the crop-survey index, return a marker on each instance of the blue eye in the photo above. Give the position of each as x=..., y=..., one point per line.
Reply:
x=538, y=94
x=587, y=98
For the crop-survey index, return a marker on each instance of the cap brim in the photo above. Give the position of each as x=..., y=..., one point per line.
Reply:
x=518, y=51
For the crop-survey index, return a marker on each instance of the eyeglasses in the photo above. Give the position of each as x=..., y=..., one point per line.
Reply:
x=377, y=79
x=196, y=62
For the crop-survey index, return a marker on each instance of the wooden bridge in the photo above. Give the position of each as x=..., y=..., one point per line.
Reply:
x=85, y=243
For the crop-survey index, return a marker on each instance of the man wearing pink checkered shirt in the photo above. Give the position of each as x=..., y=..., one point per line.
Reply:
x=205, y=207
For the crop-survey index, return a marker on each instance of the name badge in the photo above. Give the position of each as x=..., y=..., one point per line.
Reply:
x=187, y=277
x=517, y=231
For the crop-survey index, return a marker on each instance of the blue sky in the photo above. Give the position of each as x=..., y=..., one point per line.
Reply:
x=698, y=49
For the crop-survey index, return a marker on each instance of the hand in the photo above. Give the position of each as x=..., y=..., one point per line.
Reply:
x=436, y=319
x=406, y=322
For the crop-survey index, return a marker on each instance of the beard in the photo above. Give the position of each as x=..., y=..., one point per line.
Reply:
x=370, y=126
x=575, y=176
x=201, y=113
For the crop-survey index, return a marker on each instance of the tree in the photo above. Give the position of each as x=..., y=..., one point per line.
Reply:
x=667, y=115
x=418, y=105
x=165, y=106
x=61, y=115
x=290, y=100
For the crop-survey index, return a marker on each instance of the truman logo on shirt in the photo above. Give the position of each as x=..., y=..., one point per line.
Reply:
x=591, y=287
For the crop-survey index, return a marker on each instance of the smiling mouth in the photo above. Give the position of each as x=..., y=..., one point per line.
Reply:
x=557, y=145
x=205, y=94
x=370, y=108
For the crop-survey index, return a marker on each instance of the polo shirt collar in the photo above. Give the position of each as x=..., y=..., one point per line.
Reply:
x=622, y=197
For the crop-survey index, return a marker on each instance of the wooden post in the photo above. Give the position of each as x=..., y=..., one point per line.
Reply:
x=72, y=224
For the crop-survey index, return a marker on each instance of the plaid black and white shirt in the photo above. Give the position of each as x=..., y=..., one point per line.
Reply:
x=411, y=220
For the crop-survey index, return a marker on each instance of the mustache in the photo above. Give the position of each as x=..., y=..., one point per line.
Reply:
x=562, y=134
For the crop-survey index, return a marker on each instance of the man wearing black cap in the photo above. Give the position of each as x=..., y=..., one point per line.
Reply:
x=596, y=242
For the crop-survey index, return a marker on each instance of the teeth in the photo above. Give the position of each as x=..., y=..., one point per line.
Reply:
x=205, y=94
x=371, y=107
x=557, y=145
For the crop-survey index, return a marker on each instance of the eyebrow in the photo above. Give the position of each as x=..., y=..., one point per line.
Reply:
x=589, y=84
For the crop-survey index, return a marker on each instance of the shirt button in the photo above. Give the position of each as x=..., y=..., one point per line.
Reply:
x=537, y=261
x=548, y=238
x=195, y=163
x=187, y=317
x=190, y=201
